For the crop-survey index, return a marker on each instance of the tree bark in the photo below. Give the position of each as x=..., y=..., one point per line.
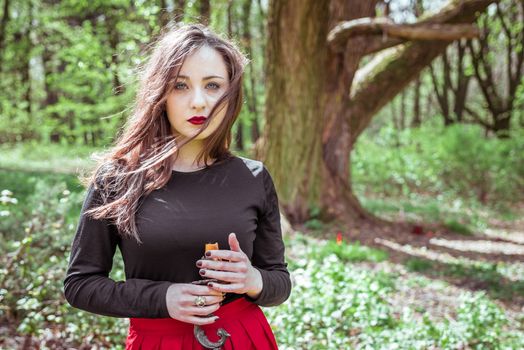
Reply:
x=296, y=57
x=251, y=96
x=180, y=6
x=500, y=102
x=3, y=25
x=27, y=65
x=386, y=27
x=312, y=120
x=416, y=121
x=114, y=38
x=205, y=11
x=164, y=13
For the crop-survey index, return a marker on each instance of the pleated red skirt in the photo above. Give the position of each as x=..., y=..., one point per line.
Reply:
x=244, y=320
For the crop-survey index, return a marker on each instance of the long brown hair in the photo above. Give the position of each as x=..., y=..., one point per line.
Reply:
x=142, y=157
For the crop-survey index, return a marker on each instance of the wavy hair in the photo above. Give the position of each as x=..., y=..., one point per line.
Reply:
x=142, y=156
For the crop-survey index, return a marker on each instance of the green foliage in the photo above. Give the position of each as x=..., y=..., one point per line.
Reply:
x=455, y=226
x=69, y=68
x=329, y=299
x=45, y=158
x=456, y=161
x=417, y=264
x=335, y=303
x=481, y=322
x=353, y=252
x=497, y=279
x=34, y=248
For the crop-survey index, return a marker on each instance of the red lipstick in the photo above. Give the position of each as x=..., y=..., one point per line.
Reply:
x=197, y=119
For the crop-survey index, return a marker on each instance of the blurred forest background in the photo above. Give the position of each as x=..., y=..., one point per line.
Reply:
x=394, y=131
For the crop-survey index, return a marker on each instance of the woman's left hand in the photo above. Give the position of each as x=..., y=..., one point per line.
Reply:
x=234, y=268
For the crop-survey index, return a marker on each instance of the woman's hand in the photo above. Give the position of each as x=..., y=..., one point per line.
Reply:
x=180, y=300
x=237, y=270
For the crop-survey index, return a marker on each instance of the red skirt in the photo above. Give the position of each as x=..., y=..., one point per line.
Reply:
x=242, y=319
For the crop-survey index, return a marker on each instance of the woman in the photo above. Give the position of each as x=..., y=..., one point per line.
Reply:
x=169, y=186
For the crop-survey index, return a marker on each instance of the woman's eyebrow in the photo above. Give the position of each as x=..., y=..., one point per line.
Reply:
x=205, y=78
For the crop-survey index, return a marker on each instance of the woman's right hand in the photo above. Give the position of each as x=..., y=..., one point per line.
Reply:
x=180, y=300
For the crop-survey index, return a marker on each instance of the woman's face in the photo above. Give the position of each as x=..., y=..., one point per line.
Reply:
x=202, y=80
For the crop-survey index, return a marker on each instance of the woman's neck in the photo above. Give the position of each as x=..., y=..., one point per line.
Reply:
x=187, y=156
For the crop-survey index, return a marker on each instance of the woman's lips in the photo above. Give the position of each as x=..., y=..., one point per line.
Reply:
x=197, y=120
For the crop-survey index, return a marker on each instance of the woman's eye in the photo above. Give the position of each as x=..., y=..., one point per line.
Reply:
x=180, y=86
x=214, y=86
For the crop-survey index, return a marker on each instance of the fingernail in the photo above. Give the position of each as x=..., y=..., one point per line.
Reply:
x=208, y=254
x=199, y=263
x=210, y=284
x=202, y=272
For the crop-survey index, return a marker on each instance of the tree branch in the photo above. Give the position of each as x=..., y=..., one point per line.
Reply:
x=478, y=119
x=484, y=84
x=386, y=27
x=436, y=89
x=389, y=72
x=449, y=14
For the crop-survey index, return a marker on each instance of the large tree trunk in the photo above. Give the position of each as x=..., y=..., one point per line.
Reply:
x=337, y=198
x=296, y=59
x=318, y=103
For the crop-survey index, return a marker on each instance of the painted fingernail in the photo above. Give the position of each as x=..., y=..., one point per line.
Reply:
x=202, y=272
x=199, y=263
x=208, y=254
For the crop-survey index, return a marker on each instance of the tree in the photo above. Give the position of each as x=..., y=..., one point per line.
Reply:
x=204, y=8
x=3, y=25
x=319, y=101
x=451, y=93
x=500, y=102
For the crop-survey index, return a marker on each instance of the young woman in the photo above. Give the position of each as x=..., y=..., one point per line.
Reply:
x=169, y=186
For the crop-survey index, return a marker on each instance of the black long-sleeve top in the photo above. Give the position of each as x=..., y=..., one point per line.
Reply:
x=174, y=223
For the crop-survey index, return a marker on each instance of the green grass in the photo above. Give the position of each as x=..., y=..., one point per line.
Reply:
x=459, y=216
x=353, y=252
x=457, y=227
x=337, y=301
x=418, y=265
x=487, y=276
x=48, y=158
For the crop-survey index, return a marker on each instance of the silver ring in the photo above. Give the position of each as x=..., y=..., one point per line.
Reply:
x=200, y=301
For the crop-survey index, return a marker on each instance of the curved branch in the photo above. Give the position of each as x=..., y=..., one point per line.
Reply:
x=383, y=33
x=384, y=26
x=390, y=71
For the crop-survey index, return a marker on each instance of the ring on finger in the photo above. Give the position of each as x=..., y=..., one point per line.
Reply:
x=200, y=301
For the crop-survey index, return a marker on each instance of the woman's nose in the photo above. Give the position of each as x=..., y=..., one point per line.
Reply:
x=198, y=100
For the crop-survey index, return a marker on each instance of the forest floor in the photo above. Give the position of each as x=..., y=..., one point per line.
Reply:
x=490, y=260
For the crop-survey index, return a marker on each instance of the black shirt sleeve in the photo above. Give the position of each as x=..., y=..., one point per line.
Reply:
x=87, y=285
x=269, y=251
